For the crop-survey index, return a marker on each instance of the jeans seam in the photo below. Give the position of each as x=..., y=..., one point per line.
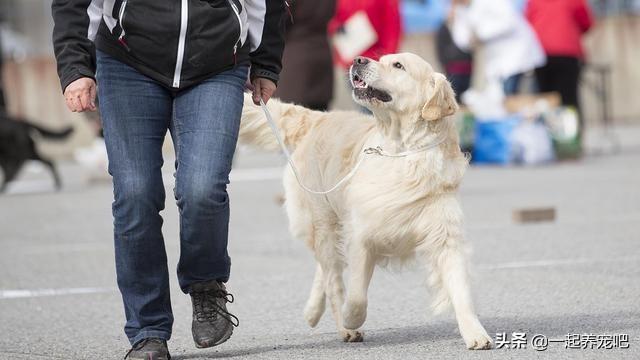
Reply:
x=177, y=150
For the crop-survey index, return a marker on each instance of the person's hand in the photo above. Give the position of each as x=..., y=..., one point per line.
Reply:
x=80, y=95
x=262, y=88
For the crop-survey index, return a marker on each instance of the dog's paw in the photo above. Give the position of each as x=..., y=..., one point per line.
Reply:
x=481, y=343
x=477, y=339
x=354, y=314
x=474, y=335
x=351, y=335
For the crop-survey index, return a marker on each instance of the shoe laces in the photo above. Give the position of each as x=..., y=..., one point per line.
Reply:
x=208, y=307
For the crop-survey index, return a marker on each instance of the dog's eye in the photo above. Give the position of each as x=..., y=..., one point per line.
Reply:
x=397, y=65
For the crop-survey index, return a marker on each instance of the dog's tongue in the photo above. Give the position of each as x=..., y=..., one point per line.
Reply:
x=358, y=82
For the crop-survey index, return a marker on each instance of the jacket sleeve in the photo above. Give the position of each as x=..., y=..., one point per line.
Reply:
x=266, y=33
x=492, y=19
x=72, y=38
x=582, y=15
x=461, y=29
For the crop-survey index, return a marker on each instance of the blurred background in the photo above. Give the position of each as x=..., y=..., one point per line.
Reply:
x=607, y=87
x=550, y=116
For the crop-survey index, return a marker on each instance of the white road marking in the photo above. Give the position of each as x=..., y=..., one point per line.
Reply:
x=551, y=262
x=257, y=174
x=25, y=293
x=33, y=293
x=30, y=187
x=241, y=174
x=35, y=186
x=18, y=247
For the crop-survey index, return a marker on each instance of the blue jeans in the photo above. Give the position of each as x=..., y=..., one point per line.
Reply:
x=204, y=122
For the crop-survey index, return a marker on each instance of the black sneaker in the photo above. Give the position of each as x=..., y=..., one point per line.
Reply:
x=149, y=349
x=212, y=323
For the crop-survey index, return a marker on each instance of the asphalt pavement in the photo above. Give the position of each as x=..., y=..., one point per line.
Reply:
x=574, y=281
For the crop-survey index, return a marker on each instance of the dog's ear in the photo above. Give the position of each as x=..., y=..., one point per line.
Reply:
x=442, y=103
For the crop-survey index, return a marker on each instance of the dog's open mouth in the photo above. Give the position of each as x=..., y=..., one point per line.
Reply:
x=364, y=91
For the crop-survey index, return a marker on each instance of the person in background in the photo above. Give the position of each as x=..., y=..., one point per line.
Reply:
x=511, y=46
x=560, y=25
x=307, y=68
x=457, y=63
x=3, y=104
x=384, y=16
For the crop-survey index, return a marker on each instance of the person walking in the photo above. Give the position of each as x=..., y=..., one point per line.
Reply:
x=383, y=17
x=511, y=46
x=307, y=72
x=560, y=26
x=177, y=66
x=456, y=63
x=3, y=103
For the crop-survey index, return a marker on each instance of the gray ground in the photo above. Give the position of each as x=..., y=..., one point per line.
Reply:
x=579, y=274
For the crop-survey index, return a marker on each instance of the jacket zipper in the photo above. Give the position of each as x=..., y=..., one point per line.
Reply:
x=239, y=41
x=121, y=14
x=184, y=19
x=286, y=3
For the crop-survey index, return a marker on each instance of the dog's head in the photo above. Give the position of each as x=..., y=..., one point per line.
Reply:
x=402, y=84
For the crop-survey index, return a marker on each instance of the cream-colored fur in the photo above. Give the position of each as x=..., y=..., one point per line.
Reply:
x=392, y=208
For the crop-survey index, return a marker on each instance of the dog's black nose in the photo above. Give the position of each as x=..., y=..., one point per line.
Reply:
x=360, y=60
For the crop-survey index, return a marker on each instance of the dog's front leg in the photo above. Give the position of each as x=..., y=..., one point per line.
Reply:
x=361, y=265
x=450, y=267
x=334, y=289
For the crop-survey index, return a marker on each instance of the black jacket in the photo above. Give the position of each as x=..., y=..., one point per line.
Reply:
x=307, y=56
x=175, y=42
x=448, y=51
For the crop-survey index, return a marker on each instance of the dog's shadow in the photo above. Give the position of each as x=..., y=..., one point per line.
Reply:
x=551, y=326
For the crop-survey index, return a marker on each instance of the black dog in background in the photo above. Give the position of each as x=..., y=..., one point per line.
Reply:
x=17, y=146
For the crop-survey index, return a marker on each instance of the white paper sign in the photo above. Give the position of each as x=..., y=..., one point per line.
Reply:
x=358, y=36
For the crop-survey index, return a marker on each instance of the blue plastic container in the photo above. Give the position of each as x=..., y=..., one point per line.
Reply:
x=492, y=143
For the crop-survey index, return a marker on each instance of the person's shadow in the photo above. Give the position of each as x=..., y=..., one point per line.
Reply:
x=551, y=326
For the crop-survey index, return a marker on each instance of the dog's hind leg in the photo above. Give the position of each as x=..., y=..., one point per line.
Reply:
x=449, y=266
x=54, y=172
x=316, y=304
x=10, y=170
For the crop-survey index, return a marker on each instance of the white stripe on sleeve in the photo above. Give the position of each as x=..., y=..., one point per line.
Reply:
x=256, y=12
x=95, y=16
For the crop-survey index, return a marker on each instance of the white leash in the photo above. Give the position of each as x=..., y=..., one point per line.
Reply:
x=368, y=151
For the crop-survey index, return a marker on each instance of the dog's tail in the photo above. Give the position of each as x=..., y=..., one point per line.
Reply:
x=293, y=121
x=51, y=134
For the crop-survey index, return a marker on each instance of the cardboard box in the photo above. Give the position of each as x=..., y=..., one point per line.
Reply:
x=519, y=103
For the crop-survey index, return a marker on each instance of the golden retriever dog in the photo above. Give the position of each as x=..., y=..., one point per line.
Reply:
x=394, y=208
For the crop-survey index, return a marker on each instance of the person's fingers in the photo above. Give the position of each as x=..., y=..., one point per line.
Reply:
x=257, y=91
x=69, y=103
x=248, y=86
x=92, y=94
x=268, y=89
x=266, y=94
x=80, y=95
x=76, y=104
x=85, y=100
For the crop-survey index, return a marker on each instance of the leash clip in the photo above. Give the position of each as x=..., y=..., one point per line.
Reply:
x=376, y=150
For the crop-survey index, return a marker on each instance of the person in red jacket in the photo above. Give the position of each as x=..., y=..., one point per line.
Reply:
x=560, y=25
x=384, y=16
